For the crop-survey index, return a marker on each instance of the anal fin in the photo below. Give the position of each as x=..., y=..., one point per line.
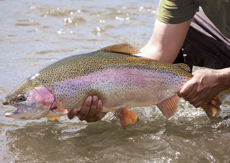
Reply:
x=127, y=117
x=53, y=118
x=169, y=106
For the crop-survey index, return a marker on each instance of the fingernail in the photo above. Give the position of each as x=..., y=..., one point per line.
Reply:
x=89, y=99
x=99, y=102
x=75, y=110
x=94, y=98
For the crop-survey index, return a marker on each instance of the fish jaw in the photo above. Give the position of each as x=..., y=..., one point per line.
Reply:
x=17, y=113
x=39, y=102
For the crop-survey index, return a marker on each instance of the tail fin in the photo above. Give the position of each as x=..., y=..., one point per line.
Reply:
x=212, y=108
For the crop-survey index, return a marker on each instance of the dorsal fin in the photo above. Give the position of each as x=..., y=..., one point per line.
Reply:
x=121, y=48
x=182, y=66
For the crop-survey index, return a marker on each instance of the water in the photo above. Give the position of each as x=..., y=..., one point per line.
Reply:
x=36, y=33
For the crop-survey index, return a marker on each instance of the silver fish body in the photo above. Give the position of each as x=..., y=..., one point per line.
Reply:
x=118, y=78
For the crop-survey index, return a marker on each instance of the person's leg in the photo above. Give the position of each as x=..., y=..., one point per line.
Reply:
x=205, y=45
x=180, y=59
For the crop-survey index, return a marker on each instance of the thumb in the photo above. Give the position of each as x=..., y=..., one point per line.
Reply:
x=186, y=89
x=73, y=113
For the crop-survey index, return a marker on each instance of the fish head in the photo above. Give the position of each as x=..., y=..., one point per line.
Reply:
x=32, y=100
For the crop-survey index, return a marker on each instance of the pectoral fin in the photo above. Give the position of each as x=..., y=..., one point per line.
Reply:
x=55, y=113
x=169, y=106
x=60, y=111
x=127, y=117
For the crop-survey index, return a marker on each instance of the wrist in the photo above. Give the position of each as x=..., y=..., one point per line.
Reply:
x=152, y=51
x=149, y=51
x=224, y=77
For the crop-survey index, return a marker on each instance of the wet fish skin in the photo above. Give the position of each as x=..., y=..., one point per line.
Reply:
x=118, y=78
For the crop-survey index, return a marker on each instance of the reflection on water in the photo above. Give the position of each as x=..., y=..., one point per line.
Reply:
x=36, y=33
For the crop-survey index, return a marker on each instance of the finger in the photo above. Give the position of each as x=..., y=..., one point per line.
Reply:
x=94, y=106
x=99, y=106
x=99, y=114
x=200, y=99
x=205, y=100
x=73, y=113
x=93, y=109
x=197, y=102
x=186, y=89
x=191, y=95
x=85, y=108
x=98, y=117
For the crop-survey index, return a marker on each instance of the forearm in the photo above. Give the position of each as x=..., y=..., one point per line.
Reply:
x=166, y=41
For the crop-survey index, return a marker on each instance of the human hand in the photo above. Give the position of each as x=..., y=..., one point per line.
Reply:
x=202, y=88
x=90, y=110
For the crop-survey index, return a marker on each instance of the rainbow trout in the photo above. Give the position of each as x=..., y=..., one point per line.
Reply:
x=118, y=78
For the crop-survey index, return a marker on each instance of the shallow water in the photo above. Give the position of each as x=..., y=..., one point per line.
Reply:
x=34, y=34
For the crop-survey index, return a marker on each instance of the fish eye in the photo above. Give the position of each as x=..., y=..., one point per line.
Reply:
x=21, y=98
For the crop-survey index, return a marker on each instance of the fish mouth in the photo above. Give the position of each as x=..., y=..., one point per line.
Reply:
x=10, y=114
x=5, y=102
x=19, y=111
